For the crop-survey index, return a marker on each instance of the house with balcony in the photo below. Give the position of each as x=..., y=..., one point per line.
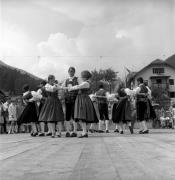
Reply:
x=157, y=74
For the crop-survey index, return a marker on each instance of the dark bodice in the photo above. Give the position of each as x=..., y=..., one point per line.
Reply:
x=70, y=96
x=144, y=91
x=52, y=94
x=84, y=91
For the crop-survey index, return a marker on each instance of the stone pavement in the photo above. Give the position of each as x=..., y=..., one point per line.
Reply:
x=99, y=157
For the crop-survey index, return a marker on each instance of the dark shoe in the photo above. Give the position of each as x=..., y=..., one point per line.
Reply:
x=41, y=134
x=31, y=134
x=73, y=134
x=141, y=132
x=121, y=132
x=116, y=130
x=35, y=134
x=91, y=130
x=48, y=134
x=58, y=136
x=107, y=131
x=53, y=136
x=100, y=131
x=131, y=130
x=83, y=136
x=145, y=132
x=67, y=134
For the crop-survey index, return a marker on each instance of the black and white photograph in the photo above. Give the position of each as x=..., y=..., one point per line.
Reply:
x=87, y=89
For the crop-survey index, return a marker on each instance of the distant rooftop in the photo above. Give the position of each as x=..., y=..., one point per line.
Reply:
x=157, y=61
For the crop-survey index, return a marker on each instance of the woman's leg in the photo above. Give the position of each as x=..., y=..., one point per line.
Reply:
x=107, y=125
x=74, y=126
x=121, y=128
x=59, y=128
x=33, y=128
x=10, y=128
x=42, y=127
x=144, y=125
x=52, y=128
x=13, y=127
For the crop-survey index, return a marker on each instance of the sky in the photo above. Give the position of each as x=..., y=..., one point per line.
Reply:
x=48, y=36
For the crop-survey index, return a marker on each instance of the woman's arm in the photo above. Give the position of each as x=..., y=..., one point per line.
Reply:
x=83, y=85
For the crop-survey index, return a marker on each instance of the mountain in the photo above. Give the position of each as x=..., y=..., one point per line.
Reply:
x=12, y=79
x=171, y=60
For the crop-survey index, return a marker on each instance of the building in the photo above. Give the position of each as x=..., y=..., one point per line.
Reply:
x=158, y=74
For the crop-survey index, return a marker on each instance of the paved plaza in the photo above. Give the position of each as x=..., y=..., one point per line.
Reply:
x=99, y=157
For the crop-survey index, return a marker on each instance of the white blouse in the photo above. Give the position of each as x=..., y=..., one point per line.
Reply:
x=52, y=88
x=83, y=85
x=12, y=112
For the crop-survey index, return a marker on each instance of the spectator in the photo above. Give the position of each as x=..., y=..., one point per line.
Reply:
x=12, y=116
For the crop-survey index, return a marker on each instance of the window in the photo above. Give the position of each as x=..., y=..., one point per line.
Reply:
x=171, y=81
x=172, y=94
x=159, y=81
x=158, y=70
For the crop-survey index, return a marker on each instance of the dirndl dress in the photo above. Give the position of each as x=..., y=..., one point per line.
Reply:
x=29, y=114
x=84, y=108
x=122, y=111
x=52, y=109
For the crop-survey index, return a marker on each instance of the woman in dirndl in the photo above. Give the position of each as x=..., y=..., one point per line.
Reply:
x=84, y=108
x=30, y=113
x=52, y=111
x=122, y=111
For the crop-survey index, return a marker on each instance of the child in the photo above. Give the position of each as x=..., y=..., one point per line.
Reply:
x=101, y=95
x=70, y=97
x=5, y=114
x=1, y=118
x=173, y=115
x=19, y=109
x=93, y=127
x=84, y=109
x=52, y=111
x=122, y=114
x=29, y=115
x=12, y=116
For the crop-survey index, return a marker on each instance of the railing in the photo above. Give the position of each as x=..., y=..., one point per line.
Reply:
x=162, y=85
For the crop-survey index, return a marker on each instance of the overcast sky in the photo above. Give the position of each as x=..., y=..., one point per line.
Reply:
x=47, y=36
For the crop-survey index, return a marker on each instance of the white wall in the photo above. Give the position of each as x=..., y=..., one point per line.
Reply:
x=148, y=72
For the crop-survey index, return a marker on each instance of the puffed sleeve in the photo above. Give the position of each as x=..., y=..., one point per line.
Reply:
x=51, y=88
x=137, y=90
x=83, y=85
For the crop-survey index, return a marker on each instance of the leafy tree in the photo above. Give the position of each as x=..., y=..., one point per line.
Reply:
x=106, y=76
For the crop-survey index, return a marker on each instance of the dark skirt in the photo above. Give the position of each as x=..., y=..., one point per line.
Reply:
x=51, y=111
x=122, y=111
x=29, y=114
x=84, y=109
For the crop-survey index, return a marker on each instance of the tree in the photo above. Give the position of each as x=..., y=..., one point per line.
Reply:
x=106, y=76
x=160, y=96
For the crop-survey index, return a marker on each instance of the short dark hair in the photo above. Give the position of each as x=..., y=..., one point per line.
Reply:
x=71, y=69
x=43, y=82
x=26, y=87
x=86, y=74
x=140, y=79
x=101, y=86
x=51, y=77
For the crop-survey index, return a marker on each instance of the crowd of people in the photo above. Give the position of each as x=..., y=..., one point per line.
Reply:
x=45, y=113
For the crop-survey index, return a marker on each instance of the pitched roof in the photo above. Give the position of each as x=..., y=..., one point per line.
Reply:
x=157, y=61
x=171, y=60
